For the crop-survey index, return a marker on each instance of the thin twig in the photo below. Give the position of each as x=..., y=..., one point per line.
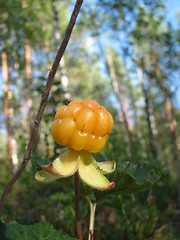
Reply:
x=78, y=222
x=44, y=99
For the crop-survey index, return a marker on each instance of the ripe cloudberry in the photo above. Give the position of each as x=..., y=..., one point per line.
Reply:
x=82, y=125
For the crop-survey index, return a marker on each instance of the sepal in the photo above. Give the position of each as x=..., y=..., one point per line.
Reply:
x=45, y=177
x=65, y=165
x=91, y=174
x=107, y=167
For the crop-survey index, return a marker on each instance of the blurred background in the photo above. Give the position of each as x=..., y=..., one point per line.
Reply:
x=123, y=54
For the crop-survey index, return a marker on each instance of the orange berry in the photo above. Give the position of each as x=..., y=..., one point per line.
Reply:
x=110, y=122
x=91, y=104
x=79, y=140
x=86, y=120
x=75, y=101
x=96, y=143
x=82, y=125
x=102, y=123
x=72, y=111
x=60, y=112
x=62, y=130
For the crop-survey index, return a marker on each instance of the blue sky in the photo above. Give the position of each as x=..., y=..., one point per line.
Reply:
x=172, y=8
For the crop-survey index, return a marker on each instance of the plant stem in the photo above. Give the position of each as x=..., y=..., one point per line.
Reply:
x=92, y=218
x=44, y=99
x=78, y=222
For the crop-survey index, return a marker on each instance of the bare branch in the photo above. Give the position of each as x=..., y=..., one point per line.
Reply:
x=44, y=99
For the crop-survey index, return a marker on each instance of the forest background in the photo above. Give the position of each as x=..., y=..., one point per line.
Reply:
x=126, y=56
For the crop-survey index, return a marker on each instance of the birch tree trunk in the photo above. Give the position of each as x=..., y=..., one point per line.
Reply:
x=64, y=78
x=148, y=110
x=135, y=110
x=138, y=124
x=8, y=111
x=26, y=109
x=47, y=51
x=28, y=79
x=161, y=82
x=121, y=110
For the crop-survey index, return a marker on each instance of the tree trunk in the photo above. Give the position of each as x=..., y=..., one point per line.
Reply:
x=26, y=110
x=44, y=136
x=135, y=110
x=121, y=109
x=148, y=111
x=64, y=78
x=160, y=80
x=8, y=112
x=47, y=51
x=28, y=79
x=138, y=124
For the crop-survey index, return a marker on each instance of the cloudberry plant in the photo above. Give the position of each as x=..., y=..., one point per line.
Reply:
x=82, y=126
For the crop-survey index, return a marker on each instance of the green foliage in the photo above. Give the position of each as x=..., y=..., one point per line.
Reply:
x=26, y=231
x=130, y=178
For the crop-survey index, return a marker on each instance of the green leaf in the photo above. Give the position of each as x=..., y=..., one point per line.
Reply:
x=37, y=231
x=130, y=178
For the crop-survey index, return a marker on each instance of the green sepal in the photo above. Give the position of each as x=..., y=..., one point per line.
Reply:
x=91, y=174
x=70, y=161
x=65, y=165
x=45, y=177
x=107, y=167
